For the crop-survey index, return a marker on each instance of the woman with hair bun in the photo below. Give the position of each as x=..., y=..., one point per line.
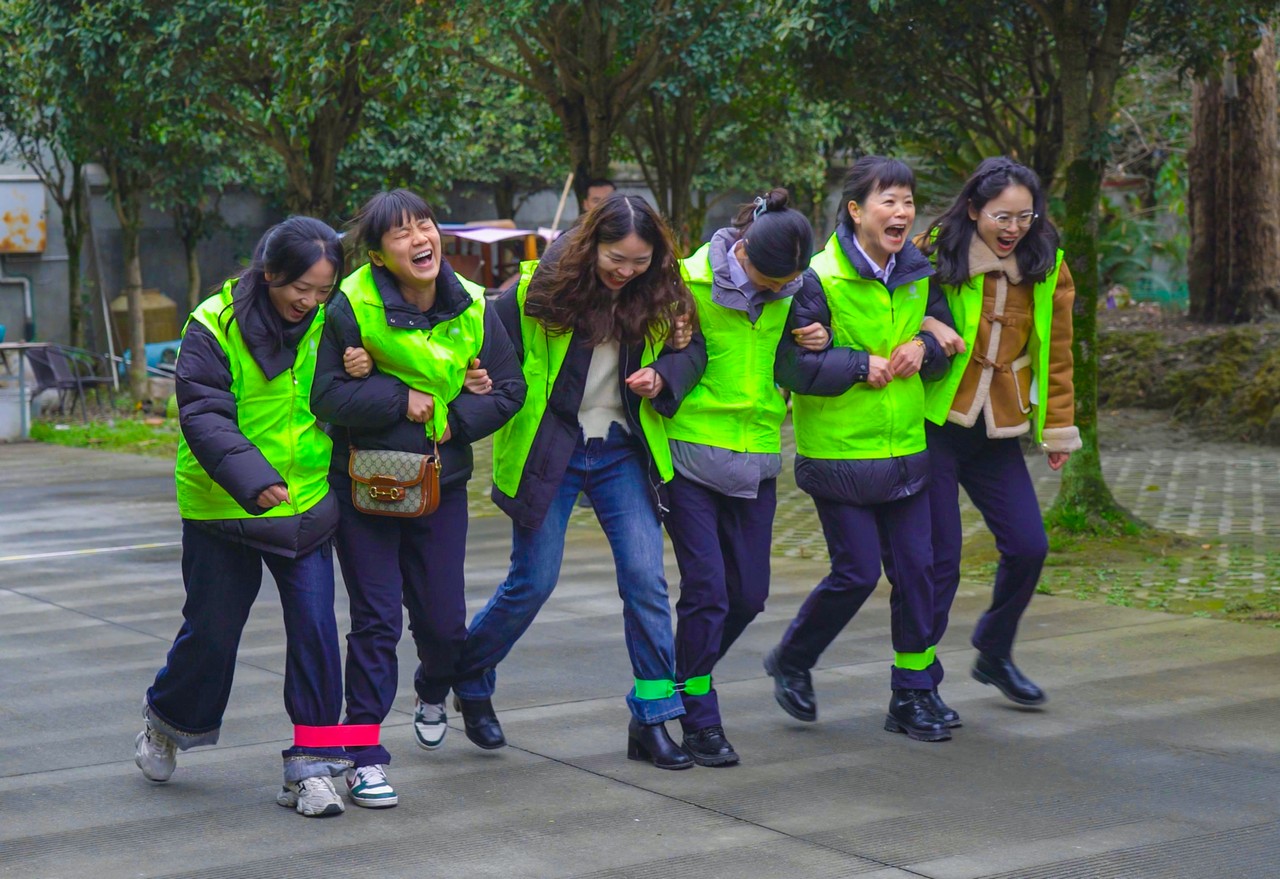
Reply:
x=252, y=489
x=1011, y=295
x=727, y=451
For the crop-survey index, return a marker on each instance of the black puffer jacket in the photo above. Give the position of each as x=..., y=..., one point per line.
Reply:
x=371, y=412
x=207, y=414
x=559, y=429
x=831, y=372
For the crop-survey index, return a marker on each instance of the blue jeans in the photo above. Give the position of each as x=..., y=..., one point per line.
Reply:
x=222, y=579
x=611, y=471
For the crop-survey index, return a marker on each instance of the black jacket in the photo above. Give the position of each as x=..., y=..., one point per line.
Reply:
x=559, y=430
x=207, y=414
x=831, y=372
x=371, y=412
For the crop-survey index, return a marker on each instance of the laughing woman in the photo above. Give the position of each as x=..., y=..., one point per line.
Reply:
x=592, y=321
x=423, y=326
x=860, y=446
x=1011, y=295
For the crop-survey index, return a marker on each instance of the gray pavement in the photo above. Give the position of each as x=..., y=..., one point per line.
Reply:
x=1156, y=757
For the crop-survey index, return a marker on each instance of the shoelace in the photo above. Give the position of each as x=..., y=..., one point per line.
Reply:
x=372, y=776
x=164, y=746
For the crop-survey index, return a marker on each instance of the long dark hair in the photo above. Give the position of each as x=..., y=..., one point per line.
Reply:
x=288, y=249
x=382, y=213
x=867, y=176
x=779, y=238
x=567, y=296
x=950, y=236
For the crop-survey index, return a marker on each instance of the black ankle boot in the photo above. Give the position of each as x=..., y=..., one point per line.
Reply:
x=792, y=688
x=709, y=747
x=909, y=713
x=1005, y=676
x=649, y=741
x=949, y=716
x=480, y=723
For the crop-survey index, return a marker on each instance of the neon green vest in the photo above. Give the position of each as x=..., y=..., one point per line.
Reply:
x=543, y=356
x=864, y=422
x=736, y=405
x=966, y=308
x=433, y=361
x=273, y=415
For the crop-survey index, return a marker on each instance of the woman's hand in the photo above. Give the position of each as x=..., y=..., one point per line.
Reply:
x=421, y=407
x=273, y=496
x=907, y=358
x=1058, y=460
x=681, y=333
x=646, y=382
x=813, y=337
x=357, y=362
x=878, y=372
x=949, y=339
x=477, y=380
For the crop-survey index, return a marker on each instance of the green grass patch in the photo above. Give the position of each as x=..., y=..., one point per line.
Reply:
x=135, y=436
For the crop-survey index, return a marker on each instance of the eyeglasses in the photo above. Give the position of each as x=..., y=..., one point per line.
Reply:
x=1022, y=220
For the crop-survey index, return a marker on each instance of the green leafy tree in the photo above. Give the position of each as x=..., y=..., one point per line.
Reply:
x=591, y=61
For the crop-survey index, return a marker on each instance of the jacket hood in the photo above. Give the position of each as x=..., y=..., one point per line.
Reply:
x=910, y=265
x=272, y=342
x=452, y=299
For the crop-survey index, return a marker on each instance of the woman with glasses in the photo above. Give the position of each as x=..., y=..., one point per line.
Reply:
x=1010, y=294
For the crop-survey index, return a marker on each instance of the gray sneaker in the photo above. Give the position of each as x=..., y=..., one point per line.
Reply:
x=155, y=753
x=314, y=797
x=430, y=723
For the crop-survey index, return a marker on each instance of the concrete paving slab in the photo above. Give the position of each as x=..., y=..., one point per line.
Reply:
x=1156, y=756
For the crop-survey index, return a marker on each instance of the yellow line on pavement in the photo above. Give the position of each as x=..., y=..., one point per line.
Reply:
x=95, y=551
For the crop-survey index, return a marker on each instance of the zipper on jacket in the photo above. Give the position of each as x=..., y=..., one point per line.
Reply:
x=293, y=451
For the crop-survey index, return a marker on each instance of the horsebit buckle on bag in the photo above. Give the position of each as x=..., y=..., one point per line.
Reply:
x=386, y=493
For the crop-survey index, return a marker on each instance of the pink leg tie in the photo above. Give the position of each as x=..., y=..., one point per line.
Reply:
x=345, y=736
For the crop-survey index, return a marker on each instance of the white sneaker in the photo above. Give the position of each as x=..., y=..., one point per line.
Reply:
x=430, y=723
x=155, y=753
x=313, y=797
x=369, y=787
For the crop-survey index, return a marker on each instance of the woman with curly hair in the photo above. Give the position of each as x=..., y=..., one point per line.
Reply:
x=603, y=327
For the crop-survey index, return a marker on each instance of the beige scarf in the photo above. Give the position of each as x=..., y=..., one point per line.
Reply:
x=982, y=260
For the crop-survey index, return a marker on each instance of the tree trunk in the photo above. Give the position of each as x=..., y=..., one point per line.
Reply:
x=1084, y=501
x=73, y=231
x=194, y=292
x=128, y=204
x=1233, y=267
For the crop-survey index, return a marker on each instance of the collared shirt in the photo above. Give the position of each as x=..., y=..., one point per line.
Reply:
x=881, y=273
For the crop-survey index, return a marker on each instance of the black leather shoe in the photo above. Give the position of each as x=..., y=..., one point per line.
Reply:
x=792, y=687
x=709, y=747
x=1004, y=676
x=909, y=713
x=941, y=710
x=649, y=741
x=480, y=722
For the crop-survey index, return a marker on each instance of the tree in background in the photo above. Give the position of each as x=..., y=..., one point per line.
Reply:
x=591, y=60
x=1234, y=262
x=42, y=110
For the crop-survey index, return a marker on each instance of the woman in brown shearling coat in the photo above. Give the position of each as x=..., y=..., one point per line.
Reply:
x=1010, y=294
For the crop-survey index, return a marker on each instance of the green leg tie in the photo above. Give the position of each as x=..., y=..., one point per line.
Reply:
x=915, y=661
x=652, y=690
x=699, y=686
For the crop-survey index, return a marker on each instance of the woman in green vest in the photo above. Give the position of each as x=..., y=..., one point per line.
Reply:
x=424, y=326
x=592, y=322
x=252, y=489
x=726, y=449
x=1011, y=296
x=858, y=409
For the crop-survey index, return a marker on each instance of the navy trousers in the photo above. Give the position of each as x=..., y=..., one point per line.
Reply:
x=222, y=579
x=722, y=547
x=390, y=563
x=994, y=475
x=859, y=539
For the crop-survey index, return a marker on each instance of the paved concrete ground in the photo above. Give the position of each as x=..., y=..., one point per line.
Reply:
x=1157, y=756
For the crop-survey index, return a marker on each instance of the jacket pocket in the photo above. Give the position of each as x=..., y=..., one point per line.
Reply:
x=1022, y=382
